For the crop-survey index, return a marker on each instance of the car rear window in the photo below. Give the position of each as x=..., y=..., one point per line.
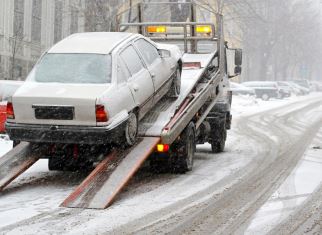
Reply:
x=73, y=68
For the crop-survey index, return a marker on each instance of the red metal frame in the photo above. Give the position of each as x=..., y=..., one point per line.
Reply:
x=3, y=116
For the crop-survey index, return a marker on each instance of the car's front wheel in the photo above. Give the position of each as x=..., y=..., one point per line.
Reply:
x=131, y=129
x=176, y=84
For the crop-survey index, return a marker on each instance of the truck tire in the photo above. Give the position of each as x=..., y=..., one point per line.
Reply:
x=183, y=157
x=176, y=84
x=219, y=135
x=56, y=164
x=159, y=164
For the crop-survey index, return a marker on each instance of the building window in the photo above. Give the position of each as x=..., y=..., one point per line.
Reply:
x=36, y=21
x=58, y=20
x=74, y=21
x=18, y=18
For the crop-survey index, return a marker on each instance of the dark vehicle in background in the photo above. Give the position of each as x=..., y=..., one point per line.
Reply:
x=238, y=89
x=263, y=89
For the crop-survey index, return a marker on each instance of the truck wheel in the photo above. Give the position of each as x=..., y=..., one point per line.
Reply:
x=131, y=129
x=56, y=164
x=182, y=159
x=265, y=97
x=159, y=164
x=176, y=84
x=219, y=136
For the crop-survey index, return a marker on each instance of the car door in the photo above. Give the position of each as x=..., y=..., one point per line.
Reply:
x=140, y=81
x=157, y=66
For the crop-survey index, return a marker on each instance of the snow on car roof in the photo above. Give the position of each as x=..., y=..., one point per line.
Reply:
x=96, y=43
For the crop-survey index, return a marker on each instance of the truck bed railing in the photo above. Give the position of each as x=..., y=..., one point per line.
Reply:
x=175, y=31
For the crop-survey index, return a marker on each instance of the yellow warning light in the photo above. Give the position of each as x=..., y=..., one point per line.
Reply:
x=203, y=29
x=157, y=29
x=162, y=148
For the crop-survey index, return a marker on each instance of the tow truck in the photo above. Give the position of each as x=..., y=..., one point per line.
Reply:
x=169, y=133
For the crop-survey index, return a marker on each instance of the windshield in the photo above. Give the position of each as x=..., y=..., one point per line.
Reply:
x=73, y=68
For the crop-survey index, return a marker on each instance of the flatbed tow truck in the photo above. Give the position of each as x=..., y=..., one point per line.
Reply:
x=169, y=133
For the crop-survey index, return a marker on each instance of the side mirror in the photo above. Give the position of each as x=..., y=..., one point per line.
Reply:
x=238, y=70
x=164, y=53
x=234, y=62
x=238, y=57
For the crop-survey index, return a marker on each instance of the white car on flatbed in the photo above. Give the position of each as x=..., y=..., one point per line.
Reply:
x=93, y=88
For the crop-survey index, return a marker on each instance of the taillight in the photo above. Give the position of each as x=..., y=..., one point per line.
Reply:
x=10, y=112
x=101, y=114
x=163, y=148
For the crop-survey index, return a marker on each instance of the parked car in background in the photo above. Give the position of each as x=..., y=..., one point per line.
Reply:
x=7, y=89
x=93, y=88
x=315, y=86
x=264, y=89
x=238, y=89
x=302, y=82
x=303, y=90
x=285, y=89
x=295, y=89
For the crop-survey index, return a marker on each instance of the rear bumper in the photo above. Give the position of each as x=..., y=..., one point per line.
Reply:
x=65, y=134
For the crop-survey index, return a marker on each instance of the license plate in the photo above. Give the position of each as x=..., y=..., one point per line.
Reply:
x=54, y=112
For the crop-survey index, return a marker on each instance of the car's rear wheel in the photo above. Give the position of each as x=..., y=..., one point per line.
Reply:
x=176, y=84
x=131, y=129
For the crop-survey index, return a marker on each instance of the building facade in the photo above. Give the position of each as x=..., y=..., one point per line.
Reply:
x=30, y=27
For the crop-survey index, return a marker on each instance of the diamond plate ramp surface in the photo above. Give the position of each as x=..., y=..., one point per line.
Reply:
x=17, y=161
x=100, y=188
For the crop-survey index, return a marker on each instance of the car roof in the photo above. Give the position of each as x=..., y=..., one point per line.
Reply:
x=96, y=42
x=259, y=83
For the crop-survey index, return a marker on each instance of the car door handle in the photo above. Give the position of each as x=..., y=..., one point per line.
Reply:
x=135, y=87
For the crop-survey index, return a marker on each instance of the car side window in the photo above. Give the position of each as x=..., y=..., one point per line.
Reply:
x=123, y=73
x=131, y=59
x=148, y=51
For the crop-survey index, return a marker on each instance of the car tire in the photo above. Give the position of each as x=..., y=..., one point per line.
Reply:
x=131, y=129
x=176, y=84
x=265, y=97
x=182, y=159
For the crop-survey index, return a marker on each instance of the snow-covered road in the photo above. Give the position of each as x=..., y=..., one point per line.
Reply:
x=246, y=189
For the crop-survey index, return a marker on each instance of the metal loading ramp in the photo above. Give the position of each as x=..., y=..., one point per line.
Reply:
x=107, y=180
x=17, y=161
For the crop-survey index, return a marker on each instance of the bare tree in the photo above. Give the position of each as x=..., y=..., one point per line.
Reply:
x=16, y=43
